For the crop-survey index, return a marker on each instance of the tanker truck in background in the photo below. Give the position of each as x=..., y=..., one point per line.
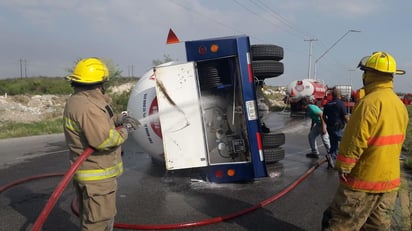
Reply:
x=318, y=93
x=407, y=99
x=204, y=114
x=349, y=96
x=305, y=88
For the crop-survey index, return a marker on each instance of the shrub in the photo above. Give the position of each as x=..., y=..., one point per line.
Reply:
x=35, y=86
x=119, y=101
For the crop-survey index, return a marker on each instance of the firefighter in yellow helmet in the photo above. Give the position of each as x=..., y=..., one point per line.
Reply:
x=89, y=121
x=368, y=158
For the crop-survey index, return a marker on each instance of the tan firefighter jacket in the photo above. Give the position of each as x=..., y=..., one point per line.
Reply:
x=371, y=145
x=89, y=121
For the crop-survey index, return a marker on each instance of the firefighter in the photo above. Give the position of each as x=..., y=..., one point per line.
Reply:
x=368, y=158
x=89, y=121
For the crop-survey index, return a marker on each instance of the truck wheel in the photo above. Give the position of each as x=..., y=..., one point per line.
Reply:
x=266, y=52
x=272, y=140
x=263, y=69
x=272, y=155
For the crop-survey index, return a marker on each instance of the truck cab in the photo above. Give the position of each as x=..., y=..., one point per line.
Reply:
x=207, y=109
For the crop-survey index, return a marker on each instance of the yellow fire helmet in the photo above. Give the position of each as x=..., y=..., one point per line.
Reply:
x=89, y=71
x=381, y=62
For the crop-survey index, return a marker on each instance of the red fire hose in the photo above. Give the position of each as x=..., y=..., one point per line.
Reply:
x=69, y=174
x=21, y=181
x=214, y=220
x=59, y=189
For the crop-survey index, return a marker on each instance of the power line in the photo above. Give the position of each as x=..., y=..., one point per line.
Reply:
x=256, y=7
x=280, y=18
x=201, y=13
x=262, y=16
x=333, y=45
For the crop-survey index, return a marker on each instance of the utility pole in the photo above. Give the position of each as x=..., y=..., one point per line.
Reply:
x=130, y=71
x=25, y=68
x=21, y=68
x=23, y=62
x=310, y=55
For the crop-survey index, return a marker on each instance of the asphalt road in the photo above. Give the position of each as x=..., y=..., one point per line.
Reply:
x=149, y=195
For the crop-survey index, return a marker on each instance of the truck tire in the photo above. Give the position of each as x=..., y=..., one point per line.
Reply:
x=263, y=69
x=273, y=139
x=266, y=52
x=273, y=155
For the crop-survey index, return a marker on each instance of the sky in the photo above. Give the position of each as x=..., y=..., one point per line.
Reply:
x=47, y=37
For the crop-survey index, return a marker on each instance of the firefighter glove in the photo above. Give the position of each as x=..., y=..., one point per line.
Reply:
x=130, y=123
x=120, y=118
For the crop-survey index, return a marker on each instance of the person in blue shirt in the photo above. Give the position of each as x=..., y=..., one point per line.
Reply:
x=317, y=128
x=336, y=116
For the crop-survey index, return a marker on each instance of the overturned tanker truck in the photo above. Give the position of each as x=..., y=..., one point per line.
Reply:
x=204, y=114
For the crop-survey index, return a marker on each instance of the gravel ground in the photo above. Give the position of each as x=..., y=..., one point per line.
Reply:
x=23, y=108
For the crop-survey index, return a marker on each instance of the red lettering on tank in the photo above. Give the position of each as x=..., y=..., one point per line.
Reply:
x=155, y=124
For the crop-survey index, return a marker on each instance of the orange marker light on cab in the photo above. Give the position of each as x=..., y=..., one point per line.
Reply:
x=214, y=48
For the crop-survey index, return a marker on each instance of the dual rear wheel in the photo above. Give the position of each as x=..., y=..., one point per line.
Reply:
x=266, y=61
x=266, y=64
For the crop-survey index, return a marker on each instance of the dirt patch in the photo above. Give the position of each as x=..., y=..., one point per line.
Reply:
x=26, y=109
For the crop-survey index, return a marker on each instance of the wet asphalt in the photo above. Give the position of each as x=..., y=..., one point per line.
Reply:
x=152, y=198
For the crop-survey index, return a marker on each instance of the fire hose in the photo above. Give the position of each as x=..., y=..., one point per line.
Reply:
x=59, y=189
x=69, y=174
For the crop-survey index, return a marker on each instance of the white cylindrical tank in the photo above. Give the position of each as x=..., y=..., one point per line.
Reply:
x=299, y=89
x=142, y=105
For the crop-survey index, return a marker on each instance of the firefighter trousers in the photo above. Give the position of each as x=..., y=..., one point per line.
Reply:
x=97, y=204
x=355, y=210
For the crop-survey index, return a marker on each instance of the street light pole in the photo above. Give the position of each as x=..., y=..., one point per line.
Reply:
x=350, y=75
x=310, y=55
x=333, y=45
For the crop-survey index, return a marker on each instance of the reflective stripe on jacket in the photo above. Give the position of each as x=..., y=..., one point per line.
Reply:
x=371, y=145
x=89, y=122
x=99, y=174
